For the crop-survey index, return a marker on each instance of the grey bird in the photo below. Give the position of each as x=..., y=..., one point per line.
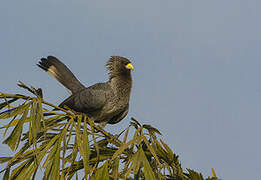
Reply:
x=103, y=103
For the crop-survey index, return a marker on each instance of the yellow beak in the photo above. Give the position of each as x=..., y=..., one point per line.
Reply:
x=129, y=66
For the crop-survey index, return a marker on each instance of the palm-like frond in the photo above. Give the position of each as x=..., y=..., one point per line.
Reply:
x=66, y=143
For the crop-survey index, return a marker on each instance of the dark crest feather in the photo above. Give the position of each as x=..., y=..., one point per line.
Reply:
x=116, y=66
x=110, y=63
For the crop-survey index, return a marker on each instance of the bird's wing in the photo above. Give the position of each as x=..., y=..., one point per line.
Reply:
x=117, y=118
x=61, y=72
x=90, y=99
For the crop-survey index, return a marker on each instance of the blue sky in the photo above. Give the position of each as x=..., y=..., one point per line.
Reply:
x=197, y=68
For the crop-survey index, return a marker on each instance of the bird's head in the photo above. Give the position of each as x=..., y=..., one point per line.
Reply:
x=119, y=66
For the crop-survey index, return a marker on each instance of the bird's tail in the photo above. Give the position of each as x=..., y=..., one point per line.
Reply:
x=61, y=73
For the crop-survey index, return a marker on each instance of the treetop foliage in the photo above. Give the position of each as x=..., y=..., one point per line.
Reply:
x=65, y=144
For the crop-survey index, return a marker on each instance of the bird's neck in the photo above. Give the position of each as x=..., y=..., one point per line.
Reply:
x=121, y=85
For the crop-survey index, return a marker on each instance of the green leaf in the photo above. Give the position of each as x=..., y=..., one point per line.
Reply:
x=2, y=105
x=52, y=162
x=151, y=149
x=135, y=123
x=159, y=150
x=135, y=161
x=33, y=164
x=77, y=176
x=19, y=169
x=4, y=159
x=169, y=151
x=102, y=173
x=7, y=174
x=55, y=174
x=126, y=135
x=115, y=168
x=84, y=149
x=213, y=173
x=122, y=148
x=37, y=92
x=14, y=112
x=194, y=175
x=65, y=147
x=102, y=143
x=71, y=169
x=151, y=129
x=147, y=168
x=14, y=139
x=35, y=120
x=14, y=123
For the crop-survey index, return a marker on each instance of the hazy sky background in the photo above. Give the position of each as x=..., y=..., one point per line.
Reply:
x=197, y=68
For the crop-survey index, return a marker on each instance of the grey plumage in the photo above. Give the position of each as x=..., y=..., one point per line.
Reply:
x=61, y=73
x=103, y=102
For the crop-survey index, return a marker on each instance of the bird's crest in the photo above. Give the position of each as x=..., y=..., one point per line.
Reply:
x=117, y=65
x=110, y=63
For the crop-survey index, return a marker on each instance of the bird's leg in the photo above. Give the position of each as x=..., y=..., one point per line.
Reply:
x=101, y=127
x=102, y=124
x=116, y=136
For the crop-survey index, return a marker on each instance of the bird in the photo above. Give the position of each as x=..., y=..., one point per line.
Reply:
x=104, y=103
